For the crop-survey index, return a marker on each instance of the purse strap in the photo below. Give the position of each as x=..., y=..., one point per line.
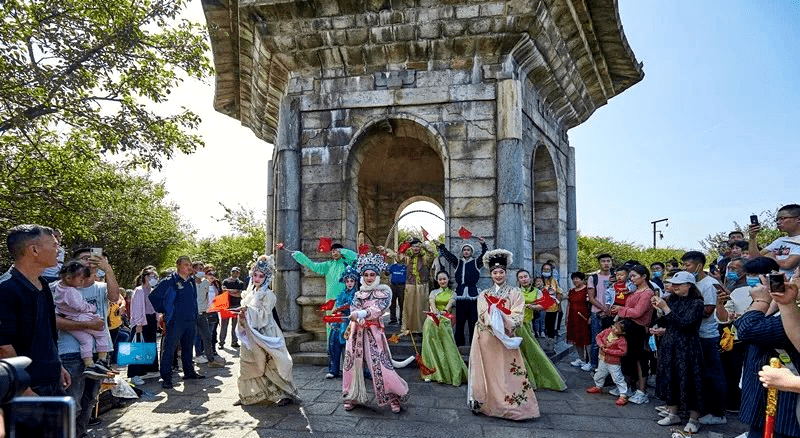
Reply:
x=138, y=337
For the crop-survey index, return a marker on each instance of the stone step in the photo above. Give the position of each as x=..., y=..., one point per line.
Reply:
x=310, y=358
x=295, y=339
x=314, y=347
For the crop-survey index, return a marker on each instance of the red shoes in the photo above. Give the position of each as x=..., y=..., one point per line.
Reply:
x=621, y=401
x=594, y=390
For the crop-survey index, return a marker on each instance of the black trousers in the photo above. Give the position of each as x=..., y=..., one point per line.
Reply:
x=466, y=314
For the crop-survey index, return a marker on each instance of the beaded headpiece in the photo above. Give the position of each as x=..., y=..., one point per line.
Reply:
x=350, y=272
x=497, y=258
x=264, y=266
x=372, y=262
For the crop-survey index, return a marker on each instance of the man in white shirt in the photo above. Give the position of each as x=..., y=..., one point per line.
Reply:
x=207, y=354
x=784, y=250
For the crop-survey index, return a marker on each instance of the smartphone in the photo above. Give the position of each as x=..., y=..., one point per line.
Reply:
x=49, y=417
x=776, y=282
x=719, y=287
x=97, y=252
x=753, y=219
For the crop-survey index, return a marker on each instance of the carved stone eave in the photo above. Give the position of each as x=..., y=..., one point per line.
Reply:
x=573, y=51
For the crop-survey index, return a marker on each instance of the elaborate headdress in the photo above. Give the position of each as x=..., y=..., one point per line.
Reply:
x=266, y=267
x=497, y=258
x=372, y=262
x=350, y=272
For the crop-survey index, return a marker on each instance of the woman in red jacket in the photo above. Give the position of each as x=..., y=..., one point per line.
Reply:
x=637, y=309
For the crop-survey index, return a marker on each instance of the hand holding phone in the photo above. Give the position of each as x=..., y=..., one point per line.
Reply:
x=777, y=282
x=753, y=219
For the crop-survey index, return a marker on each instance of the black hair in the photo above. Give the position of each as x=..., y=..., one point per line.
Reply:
x=336, y=246
x=20, y=236
x=694, y=256
x=73, y=268
x=579, y=275
x=712, y=268
x=626, y=325
x=743, y=244
x=735, y=232
x=82, y=250
x=672, y=263
x=663, y=267
x=144, y=273
x=644, y=272
x=761, y=266
x=632, y=262
x=625, y=268
x=793, y=209
x=604, y=255
x=523, y=270
x=548, y=264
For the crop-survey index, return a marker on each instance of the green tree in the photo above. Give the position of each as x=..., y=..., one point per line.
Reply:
x=589, y=247
x=84, y=74
x=769, y=232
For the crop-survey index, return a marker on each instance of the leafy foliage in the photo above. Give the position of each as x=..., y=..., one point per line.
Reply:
x=769, y=232
x=82, y=73
x=238, y=249
x=589, y=247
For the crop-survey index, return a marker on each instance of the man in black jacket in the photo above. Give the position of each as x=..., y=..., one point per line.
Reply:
x=466, y=275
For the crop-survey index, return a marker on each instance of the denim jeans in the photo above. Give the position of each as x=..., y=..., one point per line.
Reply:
x=82, y=389
x=596, y=326
x=203, y=343
x=334, y=353
x=715, y=388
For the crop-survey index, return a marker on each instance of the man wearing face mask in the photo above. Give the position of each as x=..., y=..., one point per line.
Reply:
x=714, y=385
x=205, y=351
x=658, y=269
x=729, y=307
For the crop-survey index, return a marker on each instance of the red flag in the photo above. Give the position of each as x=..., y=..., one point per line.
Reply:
x=363, y=248
x=499, y=302
x=324, y=244
x=424, y=234
x=334, y=318
x=328, y=305
x=545, y=301
x=403, y=247
x=464, y=233
x=221, y=302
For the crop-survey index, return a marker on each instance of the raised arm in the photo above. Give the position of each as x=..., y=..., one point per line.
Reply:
x=319, y=268
x=449, y=256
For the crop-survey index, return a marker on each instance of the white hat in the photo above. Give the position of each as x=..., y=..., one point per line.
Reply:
x=681, y=277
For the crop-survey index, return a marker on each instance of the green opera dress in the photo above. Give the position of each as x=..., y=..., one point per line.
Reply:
x=439, y=351
x=541, y=372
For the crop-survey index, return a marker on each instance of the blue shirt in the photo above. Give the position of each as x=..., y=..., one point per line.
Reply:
x=398, y=272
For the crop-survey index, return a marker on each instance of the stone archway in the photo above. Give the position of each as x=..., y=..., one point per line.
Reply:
x=545, y=196
x=390, y=162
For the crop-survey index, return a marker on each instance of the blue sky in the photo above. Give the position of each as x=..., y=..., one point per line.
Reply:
x=709, y=136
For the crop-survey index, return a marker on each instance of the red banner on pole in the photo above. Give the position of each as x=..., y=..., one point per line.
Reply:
x=325, y=244
x=464, y=233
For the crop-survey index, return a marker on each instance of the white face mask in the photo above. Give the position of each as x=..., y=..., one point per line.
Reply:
x=152, y=282
x=200, y=274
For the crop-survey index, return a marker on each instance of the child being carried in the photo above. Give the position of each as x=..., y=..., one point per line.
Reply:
x=71, y=305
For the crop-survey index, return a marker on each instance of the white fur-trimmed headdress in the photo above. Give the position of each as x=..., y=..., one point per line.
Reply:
x=265, y=266
x=372, y=262
x=497, y=258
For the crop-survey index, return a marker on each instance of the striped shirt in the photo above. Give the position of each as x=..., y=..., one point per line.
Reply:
x=763, y=334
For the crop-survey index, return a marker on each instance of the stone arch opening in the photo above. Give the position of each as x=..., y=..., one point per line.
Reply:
x=545, y=207
x=410, y=212
x=391, y=161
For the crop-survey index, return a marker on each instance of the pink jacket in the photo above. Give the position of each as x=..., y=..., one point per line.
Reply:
x=637, y=307
x=614, y=350
x=70, y=303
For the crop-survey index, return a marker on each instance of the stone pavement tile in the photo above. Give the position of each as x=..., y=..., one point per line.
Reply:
x=309, y=394
x=492, y=431
x=391, y=428
x=577, y=422
x=328, y=396
x=319, y=423
x=320, y=408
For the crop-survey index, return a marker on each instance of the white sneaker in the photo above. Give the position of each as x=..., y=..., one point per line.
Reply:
x=692, y=426
x=614, y=391
x=137, y=381
x=577, y=363
x=586, y=367
x=200, y=359
x=711, y=419
x=669, y=420
x=639, y=397
x=329, y=376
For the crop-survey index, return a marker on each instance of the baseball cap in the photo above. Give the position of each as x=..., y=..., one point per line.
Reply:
x=681, y=277
x=235, y=269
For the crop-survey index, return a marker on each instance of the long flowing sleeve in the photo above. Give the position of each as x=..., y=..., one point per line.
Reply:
x=137, y=310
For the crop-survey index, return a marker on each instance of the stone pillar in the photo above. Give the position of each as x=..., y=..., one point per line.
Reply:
x=510, y=170
x=287, y=212
x=269, y=245
x=572, y=215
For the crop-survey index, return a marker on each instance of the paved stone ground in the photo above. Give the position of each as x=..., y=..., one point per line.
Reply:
x=205, y=409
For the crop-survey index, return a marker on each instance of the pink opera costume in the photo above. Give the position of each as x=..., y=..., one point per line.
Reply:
x=498, y=383
x=265, y=368
x=366, y=342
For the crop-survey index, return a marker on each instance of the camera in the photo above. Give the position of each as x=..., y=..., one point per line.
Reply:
x=28, y=417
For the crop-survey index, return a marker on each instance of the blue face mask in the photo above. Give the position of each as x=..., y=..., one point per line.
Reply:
x=753, y=281
x=732, y=276
x=657, y=274
x=547, y=274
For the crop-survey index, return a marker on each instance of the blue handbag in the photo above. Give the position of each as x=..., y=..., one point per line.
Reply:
x=136, y=352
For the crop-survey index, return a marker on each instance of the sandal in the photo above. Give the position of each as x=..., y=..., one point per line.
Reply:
x=395, y=404
x=349, y=405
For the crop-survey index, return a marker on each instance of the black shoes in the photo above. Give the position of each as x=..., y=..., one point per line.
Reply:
x=194, y=376
x=166, y=384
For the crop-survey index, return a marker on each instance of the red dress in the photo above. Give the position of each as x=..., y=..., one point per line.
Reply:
x=578, y=333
